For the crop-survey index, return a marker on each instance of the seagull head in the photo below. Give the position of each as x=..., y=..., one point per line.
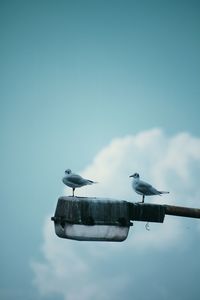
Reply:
x=68, y=171
x=135, y=175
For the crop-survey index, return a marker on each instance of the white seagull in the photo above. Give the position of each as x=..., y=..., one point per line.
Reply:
x=143, y=188
x=75, y=181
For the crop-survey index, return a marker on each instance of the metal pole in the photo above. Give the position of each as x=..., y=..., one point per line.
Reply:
x=156, y=212
x=182, y=211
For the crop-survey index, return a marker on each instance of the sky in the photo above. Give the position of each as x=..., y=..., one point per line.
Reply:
x=106, y=88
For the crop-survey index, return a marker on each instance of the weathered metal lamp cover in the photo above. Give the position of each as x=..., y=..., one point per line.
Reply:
x=91, y=219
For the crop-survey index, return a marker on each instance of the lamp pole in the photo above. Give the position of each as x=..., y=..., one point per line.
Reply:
x=182, y=211
x=156, y=212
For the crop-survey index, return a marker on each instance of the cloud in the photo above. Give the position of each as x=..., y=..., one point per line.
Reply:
x=84, y=270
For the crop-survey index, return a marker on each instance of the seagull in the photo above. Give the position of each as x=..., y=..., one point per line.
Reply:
x=75, y=181
x=143, y=188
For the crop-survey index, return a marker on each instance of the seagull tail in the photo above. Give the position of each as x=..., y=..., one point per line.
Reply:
x=91, y=182
x=163, y=192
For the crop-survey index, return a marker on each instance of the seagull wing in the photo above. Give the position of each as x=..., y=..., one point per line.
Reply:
x=76, y=179
x=145, y=188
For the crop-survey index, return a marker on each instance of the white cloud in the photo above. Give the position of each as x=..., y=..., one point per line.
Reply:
x=84, y=270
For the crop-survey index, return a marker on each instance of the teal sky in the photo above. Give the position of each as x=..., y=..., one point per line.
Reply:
x=74, y=75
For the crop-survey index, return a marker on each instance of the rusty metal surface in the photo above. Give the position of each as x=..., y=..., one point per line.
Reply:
x=182, y=211
x=146, y=212
x=92, y=211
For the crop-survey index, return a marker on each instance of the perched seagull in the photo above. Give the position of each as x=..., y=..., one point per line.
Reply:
x=143, y=188
x=75, y=181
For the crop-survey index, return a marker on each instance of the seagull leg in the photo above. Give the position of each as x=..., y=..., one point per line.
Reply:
x=73, y=192
x=142, y=199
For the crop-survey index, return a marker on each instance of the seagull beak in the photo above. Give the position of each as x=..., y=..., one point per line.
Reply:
x=131, y=176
